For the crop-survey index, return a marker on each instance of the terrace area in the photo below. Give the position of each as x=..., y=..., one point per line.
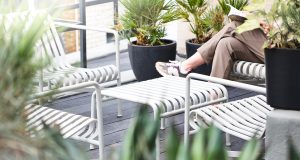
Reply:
x=93, y=70
x=115, y=128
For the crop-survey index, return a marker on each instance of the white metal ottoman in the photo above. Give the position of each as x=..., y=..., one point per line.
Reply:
x=167, y=94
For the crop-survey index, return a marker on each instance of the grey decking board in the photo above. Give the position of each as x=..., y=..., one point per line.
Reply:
x=125, y=64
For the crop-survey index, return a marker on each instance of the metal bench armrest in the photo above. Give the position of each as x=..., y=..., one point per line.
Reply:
x=213, y=80
x=98, y=29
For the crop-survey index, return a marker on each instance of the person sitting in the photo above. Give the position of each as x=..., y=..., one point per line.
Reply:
x=221, y=50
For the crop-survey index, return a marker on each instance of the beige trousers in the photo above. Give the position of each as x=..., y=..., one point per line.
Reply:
x=227, y=46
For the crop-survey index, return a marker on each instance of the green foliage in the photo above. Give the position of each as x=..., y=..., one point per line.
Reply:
x=145, y=19
x=292, y=152
x=250, y=24
x=284, y=19
x=252, y=151
x=193, y=11
x=205, y=21
x=50, y=146
x=238, y=4
x=18, y=37
x=139, y=142
x=214, y=18
x=19, y=33
x=207, y=144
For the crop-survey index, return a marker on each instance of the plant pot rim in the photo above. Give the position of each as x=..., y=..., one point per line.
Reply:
x=172, y=42
x=291, y=49
x=189, y=41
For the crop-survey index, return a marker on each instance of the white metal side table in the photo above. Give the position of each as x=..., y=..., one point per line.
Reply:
x=167, y=94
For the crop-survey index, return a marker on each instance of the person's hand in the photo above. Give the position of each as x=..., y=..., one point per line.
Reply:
x=266, y=27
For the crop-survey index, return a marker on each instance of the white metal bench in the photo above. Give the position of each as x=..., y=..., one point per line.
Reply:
x=86, y=129
x=61, y=72
x=245, y=118
x=69, y=124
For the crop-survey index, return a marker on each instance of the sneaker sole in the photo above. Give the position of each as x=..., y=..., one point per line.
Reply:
x=160, y=72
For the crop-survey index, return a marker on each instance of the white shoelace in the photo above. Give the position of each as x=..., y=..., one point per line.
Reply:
x=173, y=64
x=173, y=68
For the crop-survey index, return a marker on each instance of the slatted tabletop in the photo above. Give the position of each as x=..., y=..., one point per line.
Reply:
x=168, y=93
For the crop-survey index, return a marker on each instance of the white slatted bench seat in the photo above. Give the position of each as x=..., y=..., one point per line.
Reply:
x=249, y=69
x=70, y=76
x=81, y=128
x=70, y=125
x=167, y=94
x=245, y=118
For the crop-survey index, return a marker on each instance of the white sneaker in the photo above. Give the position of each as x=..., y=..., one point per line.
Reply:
x=173, y=68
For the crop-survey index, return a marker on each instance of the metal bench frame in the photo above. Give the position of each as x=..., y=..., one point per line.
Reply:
x=187, y=117
x=86, y=129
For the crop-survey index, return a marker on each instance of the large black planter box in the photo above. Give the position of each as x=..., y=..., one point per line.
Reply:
x=143, y=58
x=191, y=49
x=283, y=78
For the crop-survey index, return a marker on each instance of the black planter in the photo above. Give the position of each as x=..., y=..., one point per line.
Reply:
x=143, y=58
x=283, y=78
x=191, y=49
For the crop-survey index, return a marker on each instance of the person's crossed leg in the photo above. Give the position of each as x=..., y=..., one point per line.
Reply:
x=221, y=51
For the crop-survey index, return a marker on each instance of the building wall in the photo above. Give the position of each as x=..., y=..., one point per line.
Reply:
x=101, y=15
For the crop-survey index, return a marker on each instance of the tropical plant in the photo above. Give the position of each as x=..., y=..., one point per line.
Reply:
x=214, y=18
x=145, y=19
x=139, y=141
x=284, y=19
x=193, y=11
x=205, y=21
x=207, y=144
x=19, y=66
x=238, y=4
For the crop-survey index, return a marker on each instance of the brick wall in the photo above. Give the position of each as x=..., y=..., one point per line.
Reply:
x=101, y=15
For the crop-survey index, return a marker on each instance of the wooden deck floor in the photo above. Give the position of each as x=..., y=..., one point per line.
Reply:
x=115, y=128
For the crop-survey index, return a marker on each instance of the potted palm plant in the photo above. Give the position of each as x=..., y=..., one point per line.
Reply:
x=238, y=4
x=282, y=51
x=145, y=20
x=204, y=22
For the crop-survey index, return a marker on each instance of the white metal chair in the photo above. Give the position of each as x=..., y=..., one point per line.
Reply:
x=61, y=73
x=245, y=118
x=53, y=47
x=86, y=129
